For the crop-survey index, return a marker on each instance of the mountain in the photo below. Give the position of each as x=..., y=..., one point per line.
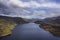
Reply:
x=53, y=20
x=50, y=24
x=8, y=23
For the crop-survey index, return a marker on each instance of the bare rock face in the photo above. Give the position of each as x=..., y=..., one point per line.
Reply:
x=7, y=24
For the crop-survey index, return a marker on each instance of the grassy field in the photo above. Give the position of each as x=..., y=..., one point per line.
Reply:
x=6, y=27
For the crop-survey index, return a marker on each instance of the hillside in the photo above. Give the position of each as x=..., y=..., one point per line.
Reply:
x=51, y=24
x=53, y=20
x=8, y=23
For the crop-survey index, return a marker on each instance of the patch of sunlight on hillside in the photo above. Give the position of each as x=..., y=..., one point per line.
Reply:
x=6, y=27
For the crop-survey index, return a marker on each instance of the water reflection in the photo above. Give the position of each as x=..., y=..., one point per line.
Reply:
x=30, y=31
x=53, y=30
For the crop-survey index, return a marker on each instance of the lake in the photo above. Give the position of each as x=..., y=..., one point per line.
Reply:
x=30, y=31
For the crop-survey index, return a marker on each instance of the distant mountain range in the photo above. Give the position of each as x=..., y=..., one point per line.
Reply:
x=53, y=20
x=17, y=20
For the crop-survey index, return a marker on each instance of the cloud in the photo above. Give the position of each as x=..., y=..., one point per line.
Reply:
x=44, y=14
x=32, y=4
x=15, y=8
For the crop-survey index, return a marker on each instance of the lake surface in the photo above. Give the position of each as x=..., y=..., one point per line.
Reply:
x=30, y=31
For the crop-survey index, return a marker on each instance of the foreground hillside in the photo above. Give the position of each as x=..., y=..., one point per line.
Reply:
x=8, y=23
x=53, y=26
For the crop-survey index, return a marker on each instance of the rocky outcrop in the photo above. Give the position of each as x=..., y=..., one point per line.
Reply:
x=8, y=23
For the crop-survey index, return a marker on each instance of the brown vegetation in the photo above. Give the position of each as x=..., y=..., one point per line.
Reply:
x=8, y=23
x=52, y=28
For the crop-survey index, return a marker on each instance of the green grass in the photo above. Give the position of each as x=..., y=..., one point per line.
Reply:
x=6, y=27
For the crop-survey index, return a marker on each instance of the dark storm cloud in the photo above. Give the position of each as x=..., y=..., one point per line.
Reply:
x=30, y=8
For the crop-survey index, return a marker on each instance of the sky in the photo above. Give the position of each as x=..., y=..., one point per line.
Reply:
x=30, y=8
